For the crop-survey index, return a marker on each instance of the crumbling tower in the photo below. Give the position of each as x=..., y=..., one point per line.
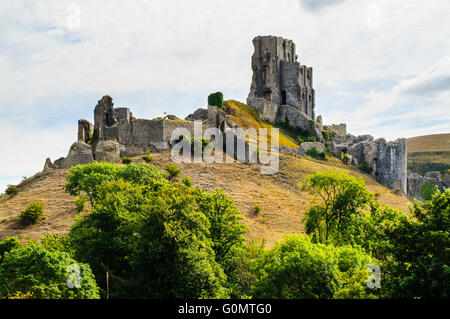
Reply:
x=279, y=79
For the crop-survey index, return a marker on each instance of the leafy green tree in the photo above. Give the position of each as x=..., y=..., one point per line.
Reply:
x=226, y=229
x=341, y=196
x=105, y=238
x=420, y=248
x=297, y=268
x=174, y=257
x=44, y=274
x=87, y=178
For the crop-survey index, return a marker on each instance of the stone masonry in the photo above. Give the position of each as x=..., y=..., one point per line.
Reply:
x=279, y=79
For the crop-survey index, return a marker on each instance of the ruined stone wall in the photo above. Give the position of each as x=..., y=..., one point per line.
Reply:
x=85, y=130
x=339, y=129
x=387, y=161
x=279, y=79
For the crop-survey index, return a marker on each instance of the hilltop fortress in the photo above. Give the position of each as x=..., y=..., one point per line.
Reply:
x=281, y=92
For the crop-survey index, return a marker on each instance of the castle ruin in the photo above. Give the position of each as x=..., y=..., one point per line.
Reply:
x=281, y=92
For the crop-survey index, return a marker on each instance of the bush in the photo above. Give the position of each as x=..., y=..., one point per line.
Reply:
x=310, y=139
x=258, y=209
x=80, y=201
x=314, y=153
x=216, y=99
x=346, y=159
x=45, y=274
x=126, y=160
x=186, y=180
x=311, y=122
x=172, y=170
x=326, y=135
x=300, y=139
x=148, y=158
x=11, y=190
x=364, y=167
x=32, y=213
x=427, y=191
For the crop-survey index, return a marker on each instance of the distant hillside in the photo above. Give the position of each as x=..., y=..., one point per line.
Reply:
x=429, y=153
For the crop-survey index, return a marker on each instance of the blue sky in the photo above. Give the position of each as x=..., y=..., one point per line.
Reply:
x=382, y=67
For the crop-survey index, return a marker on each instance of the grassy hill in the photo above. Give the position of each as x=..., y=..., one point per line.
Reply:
x=280, y=196
x=429, y=153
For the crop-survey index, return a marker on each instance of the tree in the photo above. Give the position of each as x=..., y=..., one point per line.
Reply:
x=154, y=242
x=226, y=229
x=420, y=248
x=87, y=178
x=174, y=257
x=341, y=197
x=43, y=274
x=298, y=268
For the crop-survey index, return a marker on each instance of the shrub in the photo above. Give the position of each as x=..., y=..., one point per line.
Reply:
x=148, y=158
x=186, y=180
x=427, y=191
x=314, y=153
x=326, y=135
x=216, y=99
x=311, y=122
x=258, y=209
x=300, y=139
x=310, y=139
x=80, y=201
x=45, y=274
x=11, y=190
x=346, y=159
x=32, y=213
x=364, y=167
x=172, y=170
x=126, y=160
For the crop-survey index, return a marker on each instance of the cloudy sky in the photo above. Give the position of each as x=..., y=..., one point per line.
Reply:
x=383, y=67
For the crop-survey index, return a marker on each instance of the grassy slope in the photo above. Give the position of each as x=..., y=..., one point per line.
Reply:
x=247, y=117
x=429, y=153
x=280, y=196
x=282, y=201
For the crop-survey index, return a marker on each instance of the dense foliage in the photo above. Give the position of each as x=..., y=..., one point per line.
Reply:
x=216, y=99
x=157, y=238
x=44, y=274
x=298, y=268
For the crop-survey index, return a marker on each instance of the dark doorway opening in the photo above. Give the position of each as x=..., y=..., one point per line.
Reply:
x=283, y=97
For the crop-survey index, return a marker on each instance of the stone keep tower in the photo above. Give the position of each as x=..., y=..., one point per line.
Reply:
x=279, y=79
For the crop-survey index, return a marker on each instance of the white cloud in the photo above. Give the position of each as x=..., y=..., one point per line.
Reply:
x=178, y=47
x=24, y=149
x=317, y=5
